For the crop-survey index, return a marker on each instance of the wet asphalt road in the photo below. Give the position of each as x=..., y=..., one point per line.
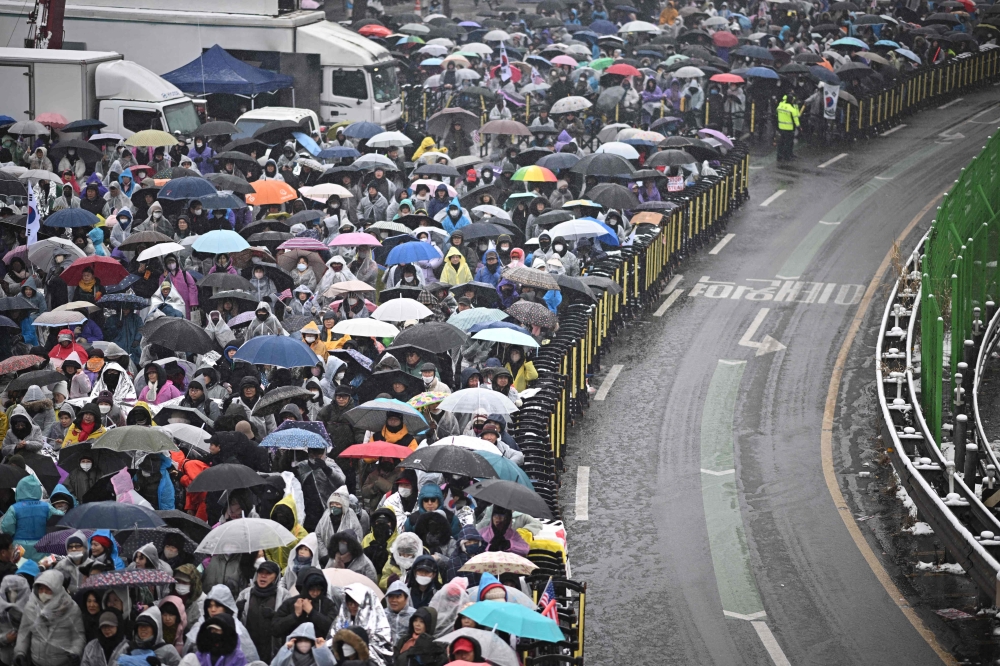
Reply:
x=661, y=550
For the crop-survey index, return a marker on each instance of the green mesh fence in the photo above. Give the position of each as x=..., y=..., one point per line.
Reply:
x=959, y=268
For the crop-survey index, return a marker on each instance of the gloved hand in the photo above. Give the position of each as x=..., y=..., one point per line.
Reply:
x=153, y=660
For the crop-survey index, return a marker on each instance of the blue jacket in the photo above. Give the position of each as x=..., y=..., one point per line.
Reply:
x=165, y=495
x=447, y=222
x=28, y=332
x=27, y=518
x=114, y=547
x=91, y=331
x=484, y=274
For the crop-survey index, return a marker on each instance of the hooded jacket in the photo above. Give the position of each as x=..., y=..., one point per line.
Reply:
x=455, y=275
x=487, y=276
x=399, y=622
x=222, y=595
x=427, y=491
x=39, y=408
x=11, y=612
x=321, y=656
x=26, y=519
x=424, y=650
x=322, y=615
x=397, y=567
x=56, y=637
x=165, y=652
x=348, y=521
x=112, y=556
x=359, y=563
x=280, y=555
x=269, y=326
x=178, y=603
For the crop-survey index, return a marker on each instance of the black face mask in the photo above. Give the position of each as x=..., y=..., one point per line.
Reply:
x=381, y=531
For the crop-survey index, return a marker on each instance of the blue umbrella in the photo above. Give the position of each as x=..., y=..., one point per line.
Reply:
x=907, y=53
x=506, y=336
x=850, y=41
x=762, y=73
x=110, y=516
x=279, y=350
x=222, y=201
x=371, y=415
x=514, y=619
x=293, y=438
x=498, y=324
x=469, y=318
x=363, y=130
x=188, y=187
x=505, y=469
x=610, y=238
x=407, y=253
x=744, y=22
x=824, y=75
x=338, y=153
x=602, y=27
x=881, y=42
x=429, y=62
x=220, y=241
x=751, y=51
x=558, y=161
x=315, y=427
x=6, y=120
x=83, y=125
x=307, y=142
x=119, y=299
x=539, y=60
x=71, y=217
x=121, y=286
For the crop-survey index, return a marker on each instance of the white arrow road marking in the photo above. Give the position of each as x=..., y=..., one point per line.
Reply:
x=765, y=346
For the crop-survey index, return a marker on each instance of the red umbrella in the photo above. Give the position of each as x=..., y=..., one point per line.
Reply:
x=727, y=78
x=106, y=269
x=376, y=450
x=623, y=69
x=19, y=363
x=725, y=39
x=375, y=31
x=137, y=168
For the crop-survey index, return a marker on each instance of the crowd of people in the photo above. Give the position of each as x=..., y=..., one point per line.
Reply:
x=326, y=350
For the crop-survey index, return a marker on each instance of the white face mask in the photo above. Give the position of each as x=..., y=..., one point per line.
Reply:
x=310, y=339
x=44, y=596
x=12, y=595
x=170, y=553
x=352, y=301
x=104, y=408
x=85, y=466
x=182, y=589
x=405, y=491
x=348, y=650
x=428, y=380
x=196, y=211
x=77, y=557
x=301, y=267
x=423, y=580
x=172, y=265
x=157, y=214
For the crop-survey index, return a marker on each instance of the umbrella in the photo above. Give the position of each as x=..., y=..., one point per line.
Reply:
x=343, y=288
x=362, y=130
x=532, y=314
x=313, y=427
x=19, y=363
x=853, y=42
x=216, y=128
x=514, y=619
x=235, y=295
x=123, y=300
x=372, y=161
x=439, y=170
x=603, y=164
x=344, y=577
x=437, y=337
x=59, y=318
x=471, y=400
x=194, y=527
x=366, y=327
x=106, y=269
x=159, y=250
x=36, y=378
x=495, y=650
x=7, y=322
x=83, y=126
x=371, y=415
x=426, y=399
x=180, y=335
x=10, y=303
x=506, y=127
x=401, y=309
x=534, y=174
x=224, y=181
x=226, y=477
x=467, y=442
x=71, y=217
x=324, y=191
x=389, y=139
x=824, y=75
x=225, y=281
x=268, y=192
x=498, y=563
x=506, y=469
x=53, y=542
x=222, y=201
x=245, y=535
x=169, y=411
x=28, y=128
x=305, y=243
x=411, y=252
x=761, y=73
x=530, y=277
x=278, y=350
x=469, y=318
x=558, y=161
x=189, y=187
x=613, y=195
x=136, y=438
x=338, y=153
x=670, y=158
x=570, y=104
x=376, y=449
x=10, y=475
x=511, y=495
x=189, y=434
x=355, y=239
x=127, y=578
x=86, y=149
x=441, y=121
x=133, y=540
x=272, y=401
x=449, y=459
x=150, y=139
x=221, y=241
x=110, y=516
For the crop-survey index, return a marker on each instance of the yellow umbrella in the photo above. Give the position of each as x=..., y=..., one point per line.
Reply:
x=151, y=139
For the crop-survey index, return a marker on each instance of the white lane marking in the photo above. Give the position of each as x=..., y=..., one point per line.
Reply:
x=831, y=224
x=768, y=201
x=722, y=243
x=724, y=472
x=767, y=344
x=951, y=103
x=770, y=643
x=832, y=160
x=894, y=129
x=583, y=493
x=674, y=281
x=746, y=618
x=608, y=382
x=674, y=295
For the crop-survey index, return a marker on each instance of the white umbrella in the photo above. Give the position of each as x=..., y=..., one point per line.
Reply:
x=401, y=309
x=431, y=17
x=324, y=191
x=496, y=36
x=14, y=169
x=388, y=139
x=366, y=327
x=468, y=401
x=620, y=149
x=478, y=47
x=535, y=87
x=435, y=50
x=577, y=229
x=468, y=75
x=188, y=434
x=506, y=336
x=59, y=319
x=568, y=104
x=77, y=306
x=245, y=535
x=414, y=29
x=42, y=253
x=471, y=443
x=688, y=72
x=372, y=160
x=442, y=41
x=41, y=174
x=579, y=49
x=609, y=132
x=715, y=20
x=28, y=128
x=432, y=81
x=636, y=133
x=431, y=157
x=160, y=250
x=493, y=211
x=639, y=26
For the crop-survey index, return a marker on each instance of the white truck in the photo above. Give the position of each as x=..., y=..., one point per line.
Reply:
x=92, y=84
x=356, y=78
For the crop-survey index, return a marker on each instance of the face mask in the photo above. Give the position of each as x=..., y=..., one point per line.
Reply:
x=405, y=562
x=310, y=339
x=262, y=316
x=339, y=376
x=182, y=589
x=342, y=548
x=504, y=248
x=454, y=214
x=428, y=380
x=423, y=580
x=71, y=151
x=348, y=650
x=336, y=512
x=197, y=211
x=352, y=301
x=301, y=267
x=405, y=491
x=44, y=596
x=170, y=553
x=86, y=466
x=559, y=248
x=104, y=408
x=303, y=646
x=77, y=557
x=473, y=549
x=172, y=266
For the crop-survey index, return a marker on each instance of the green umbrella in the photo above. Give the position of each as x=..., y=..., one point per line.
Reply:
x=602, y=64
x=136, y=438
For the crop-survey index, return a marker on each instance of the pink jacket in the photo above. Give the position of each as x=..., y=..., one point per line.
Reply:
x=518, y=546
x=186, y=287
x=167, y=392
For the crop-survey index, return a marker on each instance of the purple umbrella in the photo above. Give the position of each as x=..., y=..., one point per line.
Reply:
x=55, y=542
x=128, y=578
x=715, y=134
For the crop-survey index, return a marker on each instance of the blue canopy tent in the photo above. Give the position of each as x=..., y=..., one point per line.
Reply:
x=216, y=71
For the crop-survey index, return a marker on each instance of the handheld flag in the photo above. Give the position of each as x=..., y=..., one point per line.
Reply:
x=548, y=602
x=505, y=73
x=32, y=223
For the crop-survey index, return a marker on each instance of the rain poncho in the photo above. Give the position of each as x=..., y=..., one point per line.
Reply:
x=332, y=277
x=31, y=440
x=171, y=303
x=123, y=391
x=56, y=635
x=319, y=656
x=280, y=555
x=399, y=622
x=11, y=612
x=371, y=617
x=221, y=594
x=268, y=326
x=348, y=521
x=219, y=330
x=451, y=221
x=455, y=275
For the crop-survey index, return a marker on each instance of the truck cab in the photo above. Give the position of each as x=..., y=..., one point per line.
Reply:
x=251, y=121
x=131, y=98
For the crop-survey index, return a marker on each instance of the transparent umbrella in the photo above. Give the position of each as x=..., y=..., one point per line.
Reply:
x=470, y=400
x=245, y=535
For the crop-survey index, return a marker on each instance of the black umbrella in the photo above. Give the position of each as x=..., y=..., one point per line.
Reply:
x=233, y=156
x=486, y=294
x=235, y=295
x=245, y=145
x=603, y=164
x=178, y=172
x=381, y=382
x=110, y=515
x=87, y=150
x=196, y=417
x=264, y=225
x=35, y=378
x=277, y=131
x=437, y=170
x=613, y=195
x=224, y=181
x=10, y=475
x=225, y=477
x=216, y=128
x=133, y=539
x=530, y=156
x=12, y=187
x=272, y=401
x=507, y=494
x=438, y=337
x=225, y=281
x=482, y=230
x=471, y=198
x=44, y=469
x=670, y=158
x=446, y=458
x=601, y=282
x=83, y=126
x=570, y=283
x=794, y=68
x=401, y=291
x=181, y=335
x=106, y=461
x=280, y=278
x=12, y=303
x=196, y=528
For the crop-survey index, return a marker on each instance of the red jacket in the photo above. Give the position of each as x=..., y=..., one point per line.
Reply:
x=189, y=471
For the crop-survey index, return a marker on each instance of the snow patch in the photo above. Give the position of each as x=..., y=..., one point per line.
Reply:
x=904, y=497
x=919, y=529
x=941, y=568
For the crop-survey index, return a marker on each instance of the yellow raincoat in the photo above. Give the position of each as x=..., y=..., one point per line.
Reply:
x=427, y=146
x=319, y=347
x=455, y=276
x=280, y=555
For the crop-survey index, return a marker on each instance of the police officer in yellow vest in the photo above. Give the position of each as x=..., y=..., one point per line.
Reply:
x=788, y=121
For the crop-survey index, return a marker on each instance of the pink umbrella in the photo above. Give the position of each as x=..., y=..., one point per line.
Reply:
x=563, y=60
x=715, y=134
x=19, y=251
x=371, y=307
x=310, y=244
x=53, y=120
x=354, y=239
x=433, y=184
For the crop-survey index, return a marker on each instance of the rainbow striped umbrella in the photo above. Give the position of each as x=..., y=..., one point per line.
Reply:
x=534, y=174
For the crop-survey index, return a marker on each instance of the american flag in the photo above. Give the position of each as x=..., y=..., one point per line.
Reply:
x=548, y=602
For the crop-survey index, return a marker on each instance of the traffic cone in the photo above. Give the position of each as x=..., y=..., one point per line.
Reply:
x=416, y=7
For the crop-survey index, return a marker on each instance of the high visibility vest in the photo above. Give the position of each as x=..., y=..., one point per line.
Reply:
x=788, y=116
